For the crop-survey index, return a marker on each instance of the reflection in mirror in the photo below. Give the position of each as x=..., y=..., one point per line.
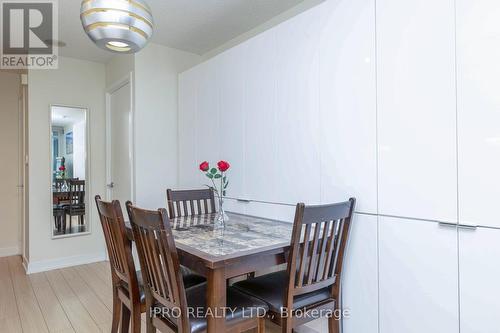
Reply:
x=69, y=171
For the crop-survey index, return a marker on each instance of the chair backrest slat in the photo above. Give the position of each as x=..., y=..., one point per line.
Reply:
x=118, y=244
x=159, y=262
x=179, y=200
x=318, y=244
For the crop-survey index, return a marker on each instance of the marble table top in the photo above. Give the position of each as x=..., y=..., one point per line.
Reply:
x=242, y=233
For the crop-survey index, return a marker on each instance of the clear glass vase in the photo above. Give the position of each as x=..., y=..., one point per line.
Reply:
x=221, y=218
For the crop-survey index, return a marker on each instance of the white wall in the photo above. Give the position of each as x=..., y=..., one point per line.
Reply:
x=118, y=67
x=156, y=71
x=76, y=83
x=10, y=194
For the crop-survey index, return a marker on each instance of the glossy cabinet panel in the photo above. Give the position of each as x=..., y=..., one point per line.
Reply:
x=347, y=93
x=260, y=120
x=188, y=171
x=418, y=265
x=479, y=275
x=478, y=69
x=417, y=109
x=360, y=281
x=297, y=110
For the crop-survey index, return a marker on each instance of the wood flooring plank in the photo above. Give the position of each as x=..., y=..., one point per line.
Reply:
x=31, y=316
x=97, y=310
x=100, y=288
x=52, y=311
x=9, y=315
x=80, y=319
x=103, y=270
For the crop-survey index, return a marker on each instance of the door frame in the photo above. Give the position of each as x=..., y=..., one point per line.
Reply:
x=127, y=79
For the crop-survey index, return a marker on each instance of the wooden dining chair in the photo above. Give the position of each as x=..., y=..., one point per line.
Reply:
x=311, y=283
x=190, y=202
x=128, y=294
x=167, y=299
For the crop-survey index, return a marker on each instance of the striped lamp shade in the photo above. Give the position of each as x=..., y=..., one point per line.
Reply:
x=121, y=26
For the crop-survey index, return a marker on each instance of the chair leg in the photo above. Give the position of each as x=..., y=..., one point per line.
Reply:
x=136, y=319
x=261, y=325
x=149, y=322
x=286, y=326
x=333, y=325
x=125, y=320
x=116, y=312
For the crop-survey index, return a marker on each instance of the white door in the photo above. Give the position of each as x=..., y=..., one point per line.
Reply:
x=418, y=277
x=120, y=144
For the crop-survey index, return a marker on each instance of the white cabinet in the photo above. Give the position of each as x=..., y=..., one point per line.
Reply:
x=297, y=109
x=418, y=276
x=260, y=120
x=348, y=103
x=479, y=276
x=360, y=283
x=232, y=119
x=478, y=54
x=417, y=109
x=188, y=162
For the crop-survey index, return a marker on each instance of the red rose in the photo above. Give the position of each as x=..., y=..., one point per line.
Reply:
x=62, y=168
x=223, y=166
x=204, y=166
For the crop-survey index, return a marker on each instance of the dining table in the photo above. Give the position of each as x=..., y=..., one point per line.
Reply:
x=244, y=245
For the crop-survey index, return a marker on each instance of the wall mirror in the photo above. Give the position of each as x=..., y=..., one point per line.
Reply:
x=69, y=171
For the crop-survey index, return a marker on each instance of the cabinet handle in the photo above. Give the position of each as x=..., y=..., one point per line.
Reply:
x=467, y=226
x=448, y=224
x=243, y=200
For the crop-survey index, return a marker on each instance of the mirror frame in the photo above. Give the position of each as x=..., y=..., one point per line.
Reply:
x=88, y=208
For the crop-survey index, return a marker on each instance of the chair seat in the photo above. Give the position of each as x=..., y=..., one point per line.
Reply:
x=244, y=306
x=271, y=289
x=190, y=279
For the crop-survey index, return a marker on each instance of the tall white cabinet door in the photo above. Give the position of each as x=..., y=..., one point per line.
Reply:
x=360, y=283
x=478, y=54
x=260, y=122
x=188, y=172
x=207, y=120
x=232, y=117
x=417, y=109
x=479, y=276
x=418, y=276
x=297, y=109
x=348, y=123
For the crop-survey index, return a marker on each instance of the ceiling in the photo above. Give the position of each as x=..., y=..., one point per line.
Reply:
x=196, y=26
x=64, y=116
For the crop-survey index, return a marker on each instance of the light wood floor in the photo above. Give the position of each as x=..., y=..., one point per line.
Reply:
x=76, y=299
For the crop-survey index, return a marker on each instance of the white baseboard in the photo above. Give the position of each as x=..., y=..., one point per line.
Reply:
x=48, y=265
x=10, y=251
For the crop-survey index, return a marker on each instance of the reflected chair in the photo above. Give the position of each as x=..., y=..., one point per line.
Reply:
x=311, y=283
x=76, y=205
x=165, y=289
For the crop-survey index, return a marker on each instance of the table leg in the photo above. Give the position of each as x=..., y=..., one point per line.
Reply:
x=216, y=300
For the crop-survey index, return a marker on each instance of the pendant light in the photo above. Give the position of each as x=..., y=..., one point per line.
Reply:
x=120, y=26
